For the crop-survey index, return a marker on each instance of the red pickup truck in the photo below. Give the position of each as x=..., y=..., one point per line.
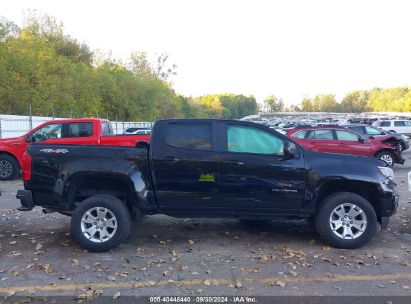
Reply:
x=84, y=131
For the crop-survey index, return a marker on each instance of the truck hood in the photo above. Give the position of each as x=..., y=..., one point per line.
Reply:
x=343, y=165
x=10, y=141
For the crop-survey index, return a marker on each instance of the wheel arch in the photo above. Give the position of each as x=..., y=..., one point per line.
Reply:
x=366, y=190
x=384, y=150
x=81, y=186
x=2, y=152
x=15, y=158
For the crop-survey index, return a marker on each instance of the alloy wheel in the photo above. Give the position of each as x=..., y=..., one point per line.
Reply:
x=6, y=168
x=388, y=159
x=99, y=224
x=348, y=221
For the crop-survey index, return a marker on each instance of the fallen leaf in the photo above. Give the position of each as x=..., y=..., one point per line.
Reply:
x=116, y=296
x=47, y=268
x=280, y=283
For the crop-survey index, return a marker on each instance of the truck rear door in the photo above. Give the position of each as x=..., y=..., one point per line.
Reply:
x=184, y=163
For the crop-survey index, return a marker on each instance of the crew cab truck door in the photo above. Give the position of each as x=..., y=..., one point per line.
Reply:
x=73, y=133
x=184, y=164
x=254, y=172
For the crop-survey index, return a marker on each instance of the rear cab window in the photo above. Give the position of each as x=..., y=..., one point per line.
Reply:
x=192, y=136
x=106, y=129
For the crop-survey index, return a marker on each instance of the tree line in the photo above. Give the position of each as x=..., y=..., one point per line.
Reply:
x=53, y=73
x=396, y=99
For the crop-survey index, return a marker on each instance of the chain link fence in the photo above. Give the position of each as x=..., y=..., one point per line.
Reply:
x=16, y=125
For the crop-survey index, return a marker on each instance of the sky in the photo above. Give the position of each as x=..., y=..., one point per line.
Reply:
x=291, y=49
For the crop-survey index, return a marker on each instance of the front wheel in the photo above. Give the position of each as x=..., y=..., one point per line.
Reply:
x=100, y=223
x=9, y=167
x=346, y=220
x=386, y=156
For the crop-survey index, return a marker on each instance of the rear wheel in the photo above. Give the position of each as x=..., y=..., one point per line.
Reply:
x=386, y=156
x=346, y=220
x=9, y=167
x=100, y=223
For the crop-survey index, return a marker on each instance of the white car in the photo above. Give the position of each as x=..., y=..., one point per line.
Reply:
x=397, y=125
x=137, y=131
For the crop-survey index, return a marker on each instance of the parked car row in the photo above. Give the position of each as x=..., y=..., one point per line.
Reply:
x=210, y=168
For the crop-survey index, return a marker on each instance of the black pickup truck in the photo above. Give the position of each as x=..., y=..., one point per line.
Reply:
x=209, y=168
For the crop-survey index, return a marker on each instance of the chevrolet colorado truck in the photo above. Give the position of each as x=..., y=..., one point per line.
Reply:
x=68, y=131
x=209, y=169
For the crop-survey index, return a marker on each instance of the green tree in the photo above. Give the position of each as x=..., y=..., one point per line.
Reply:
x=274, y=104
x=307, y=105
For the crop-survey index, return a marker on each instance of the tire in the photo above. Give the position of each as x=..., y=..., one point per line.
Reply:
x=9, y=167
x=326, y=216
x=112, y=211
x=385, y=156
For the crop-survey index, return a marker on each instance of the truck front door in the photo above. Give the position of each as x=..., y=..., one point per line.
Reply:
x=185, y=165
x=255, y=174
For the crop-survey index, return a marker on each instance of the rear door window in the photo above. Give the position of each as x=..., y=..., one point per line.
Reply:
x=399, y=123
x=189, y=136
x=321, y=134
x=80, y=129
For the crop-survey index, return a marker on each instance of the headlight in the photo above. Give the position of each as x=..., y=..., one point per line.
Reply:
x=387, y=172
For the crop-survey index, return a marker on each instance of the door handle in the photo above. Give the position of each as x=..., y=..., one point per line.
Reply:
x=171, y=159
x=234, y=162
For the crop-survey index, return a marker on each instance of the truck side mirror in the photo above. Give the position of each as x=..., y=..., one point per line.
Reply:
x=290, y=149
x=142, y=145
x=361, y=140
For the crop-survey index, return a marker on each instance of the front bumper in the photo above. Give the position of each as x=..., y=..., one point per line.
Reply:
x=26, y=200
x=399, y=159
x=405, y=144
x=389, y=201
